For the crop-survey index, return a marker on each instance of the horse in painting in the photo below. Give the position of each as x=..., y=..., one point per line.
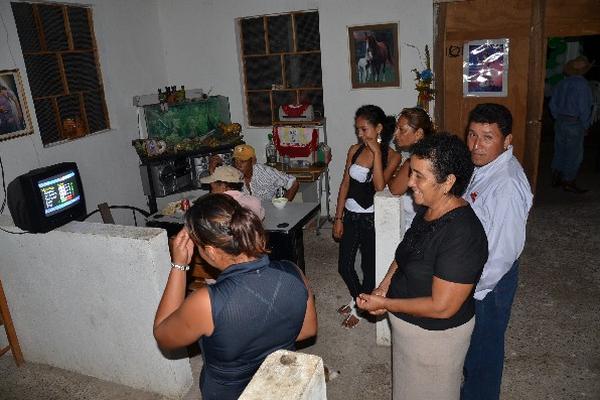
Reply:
x=379, y=54
x=363, y=65
x=364, y=69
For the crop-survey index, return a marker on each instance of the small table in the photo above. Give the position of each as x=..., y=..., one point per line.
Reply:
x=314, y=173
x=284, y=228
x=286, y=240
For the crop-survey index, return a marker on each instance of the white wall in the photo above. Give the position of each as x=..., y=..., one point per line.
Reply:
x=79, y=307
x=132, y=62
x=148, y=44
x=201, y=47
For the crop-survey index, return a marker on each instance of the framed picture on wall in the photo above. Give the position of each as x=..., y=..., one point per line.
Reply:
x=14, y=114
x=374, y=56
x=485, y=68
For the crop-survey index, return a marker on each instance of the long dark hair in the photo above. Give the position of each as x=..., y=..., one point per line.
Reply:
x=375, y=115
x=220, y=221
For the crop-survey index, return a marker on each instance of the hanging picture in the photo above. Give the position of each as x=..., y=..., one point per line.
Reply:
x=374, y=56
x=485, y=68
x=14, y=114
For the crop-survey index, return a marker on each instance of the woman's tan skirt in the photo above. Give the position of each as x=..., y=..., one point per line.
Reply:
x=427, y=364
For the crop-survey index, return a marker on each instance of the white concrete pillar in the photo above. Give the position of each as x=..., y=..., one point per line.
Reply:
x=288, y=375
x=389, y=230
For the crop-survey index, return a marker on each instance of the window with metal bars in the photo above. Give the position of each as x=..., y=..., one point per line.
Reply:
x=281, y=57
x=61, y=59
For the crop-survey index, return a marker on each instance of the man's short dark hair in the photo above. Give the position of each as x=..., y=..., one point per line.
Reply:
x=492, y=113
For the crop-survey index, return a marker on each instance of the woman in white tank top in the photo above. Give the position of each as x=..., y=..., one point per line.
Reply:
x=369, y=165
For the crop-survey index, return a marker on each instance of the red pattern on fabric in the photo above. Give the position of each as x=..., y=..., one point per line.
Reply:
x=294, y=110
x=296, y=150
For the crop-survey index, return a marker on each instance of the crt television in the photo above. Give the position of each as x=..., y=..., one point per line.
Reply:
x=46, y=198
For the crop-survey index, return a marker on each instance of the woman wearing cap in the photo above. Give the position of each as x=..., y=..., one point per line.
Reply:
x=413, y=125
x=229, y=180
x=369, y=166
x=256, y=306
x=261, y=180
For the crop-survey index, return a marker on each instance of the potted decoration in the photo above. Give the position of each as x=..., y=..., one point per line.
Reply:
x=424, y=81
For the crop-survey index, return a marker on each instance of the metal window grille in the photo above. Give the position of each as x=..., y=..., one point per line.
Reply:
x=282, y=64
x=63, y=70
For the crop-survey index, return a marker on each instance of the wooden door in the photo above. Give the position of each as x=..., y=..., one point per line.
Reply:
x=527, y=24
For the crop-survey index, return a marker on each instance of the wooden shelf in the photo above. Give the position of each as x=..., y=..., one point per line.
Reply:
x=296, y=123
x=190, y=153
x=309, y=174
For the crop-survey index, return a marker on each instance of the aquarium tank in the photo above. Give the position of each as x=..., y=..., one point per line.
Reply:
x=192, y=119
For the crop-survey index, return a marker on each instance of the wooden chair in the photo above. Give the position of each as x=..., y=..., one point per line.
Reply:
x=6, y=320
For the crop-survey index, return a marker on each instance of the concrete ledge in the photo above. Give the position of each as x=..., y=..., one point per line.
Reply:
x=389, y=231
x=288, y=375
x=83, y=298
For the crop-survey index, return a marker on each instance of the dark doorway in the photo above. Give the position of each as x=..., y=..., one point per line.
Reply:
x=559, y=51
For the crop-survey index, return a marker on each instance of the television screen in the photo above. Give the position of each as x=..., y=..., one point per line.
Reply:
x=59, y=192
x=46, y=198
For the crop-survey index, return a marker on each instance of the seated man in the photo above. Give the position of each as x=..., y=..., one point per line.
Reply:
x=227, y=179
x=260, y=180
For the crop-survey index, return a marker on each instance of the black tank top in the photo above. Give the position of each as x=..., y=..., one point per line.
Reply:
x=361, y=192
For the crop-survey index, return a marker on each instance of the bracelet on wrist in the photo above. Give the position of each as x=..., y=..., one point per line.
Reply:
x=181, y=267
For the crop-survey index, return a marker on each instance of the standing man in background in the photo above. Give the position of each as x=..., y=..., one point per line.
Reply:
x=571, y=107
x=501, y=197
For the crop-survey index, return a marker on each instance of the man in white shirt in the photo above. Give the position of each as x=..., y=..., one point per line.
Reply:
x=261, y=180
x=500, y=195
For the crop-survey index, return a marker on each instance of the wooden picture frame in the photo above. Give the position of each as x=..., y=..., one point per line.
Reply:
x=15, y=120
x=485, y=68
x=374, y=57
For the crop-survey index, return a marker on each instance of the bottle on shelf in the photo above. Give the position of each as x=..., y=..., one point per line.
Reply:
x=323, y=154
x=181, y=94
x=168, y=96
x=271, y=151
x=285, y=162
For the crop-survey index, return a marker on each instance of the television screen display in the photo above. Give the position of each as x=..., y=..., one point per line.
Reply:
x=46, y=198
x=59, y=192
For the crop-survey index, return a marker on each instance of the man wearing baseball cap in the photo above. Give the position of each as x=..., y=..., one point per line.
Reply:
x=261, y=180
x=571, y=106
x=229, y=180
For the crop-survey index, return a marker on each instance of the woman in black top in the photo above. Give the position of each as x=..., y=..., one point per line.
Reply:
x=369, y=165
x=429, y=287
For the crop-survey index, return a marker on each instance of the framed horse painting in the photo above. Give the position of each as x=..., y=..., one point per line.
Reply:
x=374, y=56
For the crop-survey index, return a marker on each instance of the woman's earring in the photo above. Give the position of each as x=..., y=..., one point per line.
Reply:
x=378, y=138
